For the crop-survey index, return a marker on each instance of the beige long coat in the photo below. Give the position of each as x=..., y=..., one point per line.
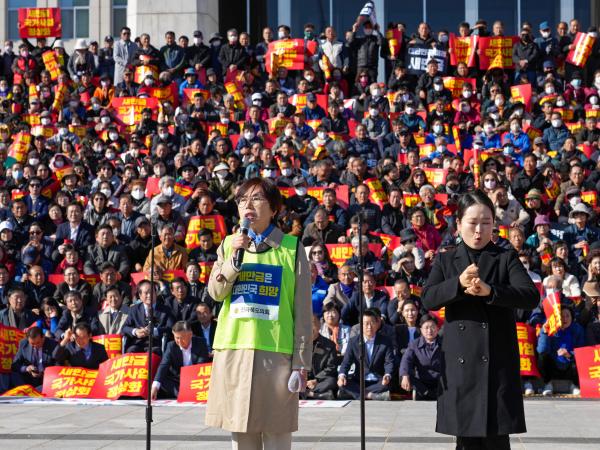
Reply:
x=248, y=388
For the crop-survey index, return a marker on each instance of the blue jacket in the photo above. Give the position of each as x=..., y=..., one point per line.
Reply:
x=367, y=149
x=520, y=141
x=185, y=85
x=554, y=138
x=494, y=141
x=316, y=113
x=414, y=123
x=319, y=292
x=570, y=339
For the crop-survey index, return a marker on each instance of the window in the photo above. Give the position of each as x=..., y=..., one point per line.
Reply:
x=492, y=10
x=13, y=16
x=445, y=15
x=75, y=16
x=119, y=17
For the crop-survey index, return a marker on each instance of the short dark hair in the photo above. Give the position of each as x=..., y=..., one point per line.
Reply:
x=83, y=326
x=427, y=318
x=271, y=191
x=477, y=197
x=34, y=332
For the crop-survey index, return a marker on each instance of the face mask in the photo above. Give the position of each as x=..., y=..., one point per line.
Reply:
x=374, y=112
x=111, y=156
x=499, y=102
x=467, y=94
x=594, y=100
x=489, y=184
x=322, y=135
x=488, y=129
x=95, y=106
x=106, y=192
x=268, y=173
x=288, y=132
x=59, y=163
x=248, y=135
x=443, y=38
x=216, y=43
x=105, y=120
x=556, y=123
x=286, y=172
x=438, y=87
x=549, y=90
x=224, y=120
x=8, y=49
x=466, y=109
x=308, y=35
x=281, y=34
x=104, y=83
x=232, y=39
x=574, y=201
x=376, y=92
x=62, y=131
x=508, y=150
x=221, y=174
x=168, y=191
x=437, y=129
x=515, y=128
x=545, y=34
x=34, y=161
x=25, y=54
x=301, y=191
x=190, y=135
x=410, y=111
x=477, y=146
x=198, y=41
x=576, y=83
x=441, y=148
x=309, y=78
x=17, y=174
x=138, y=194
x=73, y=104
x=593, y=34
x=560, y=103
x=159, y=171
x=113, y=136
x=148, y=81
x=45, y=121
x=368, y=31
x=494, y=116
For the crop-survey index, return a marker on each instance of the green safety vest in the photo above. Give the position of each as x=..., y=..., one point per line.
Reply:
x=258, y=314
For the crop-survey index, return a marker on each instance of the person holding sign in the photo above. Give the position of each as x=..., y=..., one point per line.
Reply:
x=262, y=346
x=480, y=285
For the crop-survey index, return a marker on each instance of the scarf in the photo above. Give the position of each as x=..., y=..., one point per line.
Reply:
x=260, y=237
x=347, y=289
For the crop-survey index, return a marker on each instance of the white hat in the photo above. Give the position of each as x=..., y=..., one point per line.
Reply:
x=81, y=44
x=6, y=225
x=580, y=208
x=256, y=96
x=221, y=166
x=58, y=44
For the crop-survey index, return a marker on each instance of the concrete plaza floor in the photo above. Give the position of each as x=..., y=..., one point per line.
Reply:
x=552, y=424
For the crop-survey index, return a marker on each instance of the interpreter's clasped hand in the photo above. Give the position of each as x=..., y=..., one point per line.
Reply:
x=479, y=288
x=469, y=274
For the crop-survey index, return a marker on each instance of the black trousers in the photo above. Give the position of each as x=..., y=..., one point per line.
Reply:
x=326, y=385
x=549, y=371
x=501, y=442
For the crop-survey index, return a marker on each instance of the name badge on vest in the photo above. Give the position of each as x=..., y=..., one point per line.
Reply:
x=256, y=292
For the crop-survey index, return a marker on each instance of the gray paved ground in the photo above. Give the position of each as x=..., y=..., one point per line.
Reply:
x=552, y=424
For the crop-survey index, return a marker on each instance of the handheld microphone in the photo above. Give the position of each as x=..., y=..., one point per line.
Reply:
x=239, y=253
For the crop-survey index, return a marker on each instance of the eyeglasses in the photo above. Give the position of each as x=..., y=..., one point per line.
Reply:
x=495, y=230
x=36, y=185
x=35, y=232
x=256, y=200
x=409, y=241
x=317, y=252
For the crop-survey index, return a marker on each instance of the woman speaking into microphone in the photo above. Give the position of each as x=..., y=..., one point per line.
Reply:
x=480, y=285
x=263, y=343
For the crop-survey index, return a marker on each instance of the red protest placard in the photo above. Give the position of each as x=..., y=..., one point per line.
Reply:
x=491, y=47
x=39, y=22
x=113, y=343
x=299, y=101
x=590, y=197
x=526, y=339
x=128, y=110
x=435, y=176
x=377, y=194
x=410, y=200
x=68, y=382
x=17, y=152
x=166, y=93
x=583, y=48
x=588, y=368
x=440, y=315
x=167, y=275
x=462, y=49
x=215, y=223
x=188, y=95
x=339, y=253
x=390, y=242
x=125, y=375
x=9, y=344
x=394, y=38
x=24, y=390
x=287, y=53
x=51, y=63
x=194, y=382
x=205, y=270
x=455, y=84
x=521, y=93
x=551, y=306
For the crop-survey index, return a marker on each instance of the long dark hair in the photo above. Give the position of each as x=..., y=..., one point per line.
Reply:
x=477, y=197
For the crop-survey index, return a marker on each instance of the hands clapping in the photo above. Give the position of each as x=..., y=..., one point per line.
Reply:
x=472, y=284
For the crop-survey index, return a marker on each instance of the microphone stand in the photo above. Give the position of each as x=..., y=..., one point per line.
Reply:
x=150, y=342
x=361, y=310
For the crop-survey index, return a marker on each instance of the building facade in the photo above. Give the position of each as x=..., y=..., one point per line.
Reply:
x=95, y=19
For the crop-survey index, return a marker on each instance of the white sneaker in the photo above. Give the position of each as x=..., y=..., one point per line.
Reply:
x=548, y=390
x=528, y=389
x=575, y=390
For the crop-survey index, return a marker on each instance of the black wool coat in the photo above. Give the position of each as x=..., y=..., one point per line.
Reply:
x=480, y=386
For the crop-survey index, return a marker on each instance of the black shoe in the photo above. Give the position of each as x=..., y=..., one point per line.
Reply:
x=344, y=395
x=325, y=396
